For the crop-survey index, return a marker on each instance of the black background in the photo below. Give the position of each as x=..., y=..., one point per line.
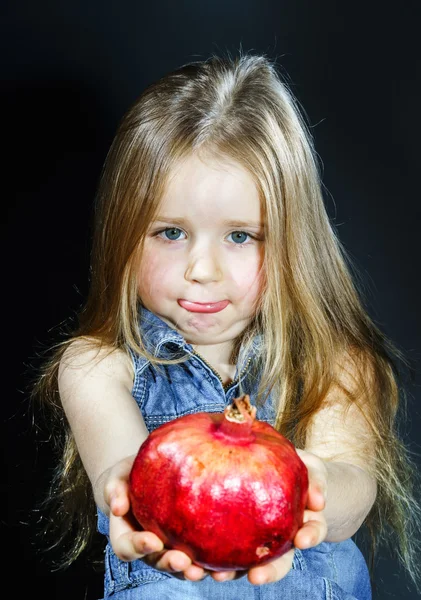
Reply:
x=70, y=69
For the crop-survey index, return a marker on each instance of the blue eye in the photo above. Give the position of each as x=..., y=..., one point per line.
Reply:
x=239, y=237
x=172, y=233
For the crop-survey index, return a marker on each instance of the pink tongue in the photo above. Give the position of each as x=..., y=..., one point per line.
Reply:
x=203, y=308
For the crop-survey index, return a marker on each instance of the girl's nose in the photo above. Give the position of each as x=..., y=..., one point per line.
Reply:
x=203, y=267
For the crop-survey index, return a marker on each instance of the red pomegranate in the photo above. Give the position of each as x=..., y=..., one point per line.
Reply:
x=225, y=488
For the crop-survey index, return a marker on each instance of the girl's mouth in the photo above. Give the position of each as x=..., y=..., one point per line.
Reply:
x=203, y=307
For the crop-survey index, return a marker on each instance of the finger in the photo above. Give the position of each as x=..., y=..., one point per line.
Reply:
x=116, y=495
x=311, y=534
x=317, y=491
x=172, y=561
x=194, y=573
x=117, y=482
x=129, y=544
x=227, y=575
x=311, y=515
x=120, y=503
x=146, y=542
x=316, y=499
x=273, y=571
x=318, y=476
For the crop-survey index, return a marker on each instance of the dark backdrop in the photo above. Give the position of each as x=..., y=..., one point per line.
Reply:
x=69, y=71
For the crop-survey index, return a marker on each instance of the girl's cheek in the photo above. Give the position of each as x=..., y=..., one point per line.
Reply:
x=150, y=272
x=249, y=282
x=248, y=272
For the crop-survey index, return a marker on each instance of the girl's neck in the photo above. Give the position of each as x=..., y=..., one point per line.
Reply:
x=219, y=356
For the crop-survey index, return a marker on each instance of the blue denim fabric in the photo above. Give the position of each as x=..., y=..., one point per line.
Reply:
x=330, y=571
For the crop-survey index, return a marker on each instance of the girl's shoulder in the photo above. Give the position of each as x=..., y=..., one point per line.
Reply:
x=88, y=358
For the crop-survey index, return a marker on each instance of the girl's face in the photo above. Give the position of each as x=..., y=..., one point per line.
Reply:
x=201, y=270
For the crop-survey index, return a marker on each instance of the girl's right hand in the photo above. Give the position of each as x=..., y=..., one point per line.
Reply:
x=128, y=542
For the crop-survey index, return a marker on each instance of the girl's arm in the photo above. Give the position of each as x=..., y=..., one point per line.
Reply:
x=340, y=457
x=95, y=391
x=340, y=439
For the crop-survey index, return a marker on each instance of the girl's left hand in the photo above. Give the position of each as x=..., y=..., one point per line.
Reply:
x=312, y=532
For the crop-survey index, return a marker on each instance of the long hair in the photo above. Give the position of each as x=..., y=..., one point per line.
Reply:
x=311, y=311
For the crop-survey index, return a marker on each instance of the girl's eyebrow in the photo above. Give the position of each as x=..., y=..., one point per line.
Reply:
x=229, y=223
x=238, y=223
x=174, y=220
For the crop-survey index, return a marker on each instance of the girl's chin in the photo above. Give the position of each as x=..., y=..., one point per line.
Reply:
x=203, y=323
x=204, y=328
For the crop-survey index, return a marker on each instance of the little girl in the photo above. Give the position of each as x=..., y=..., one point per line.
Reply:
x=216, y=272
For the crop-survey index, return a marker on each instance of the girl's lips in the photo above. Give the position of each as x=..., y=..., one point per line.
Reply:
x=203, y=307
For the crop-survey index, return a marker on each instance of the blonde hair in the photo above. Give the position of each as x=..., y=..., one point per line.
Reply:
x=311, y=312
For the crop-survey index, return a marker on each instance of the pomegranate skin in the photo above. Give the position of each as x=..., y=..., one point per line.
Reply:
x=225, y=488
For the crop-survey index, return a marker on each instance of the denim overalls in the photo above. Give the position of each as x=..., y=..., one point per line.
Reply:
x=329, y=571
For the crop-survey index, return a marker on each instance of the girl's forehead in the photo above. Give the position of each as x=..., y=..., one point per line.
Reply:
x=207, y=164
x=197, y=184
